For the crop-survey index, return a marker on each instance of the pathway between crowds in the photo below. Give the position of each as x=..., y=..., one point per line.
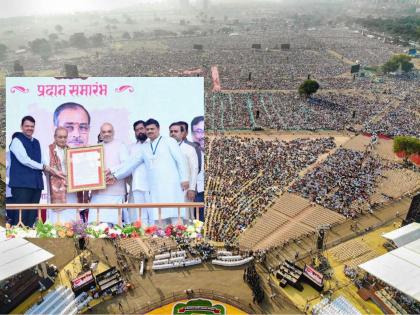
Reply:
x=340, y=57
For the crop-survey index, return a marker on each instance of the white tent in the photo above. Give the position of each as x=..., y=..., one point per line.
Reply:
x=404, y=235
x=399, y=268
x=2, y=233
x=17, y=255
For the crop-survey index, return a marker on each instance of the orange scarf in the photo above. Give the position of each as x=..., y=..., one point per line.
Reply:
x=57, y=186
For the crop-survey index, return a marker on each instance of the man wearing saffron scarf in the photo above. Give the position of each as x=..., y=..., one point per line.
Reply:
x=57, y=190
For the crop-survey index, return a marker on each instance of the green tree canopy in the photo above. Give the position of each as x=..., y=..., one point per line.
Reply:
x=78, y=40
x=42, y=47
x=409, y=145
x=3, y=51
x=308, y=87
x=396, y=62
x=97, y=40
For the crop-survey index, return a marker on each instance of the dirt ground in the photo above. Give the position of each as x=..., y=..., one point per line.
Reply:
x=153, y=286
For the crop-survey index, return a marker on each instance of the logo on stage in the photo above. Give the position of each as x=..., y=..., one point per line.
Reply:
x=198, y=307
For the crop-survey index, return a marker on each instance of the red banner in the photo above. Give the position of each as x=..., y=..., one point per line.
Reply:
x=215, y=79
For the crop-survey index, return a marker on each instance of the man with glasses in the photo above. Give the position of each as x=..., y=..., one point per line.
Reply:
x=197, y=127
x=166, y=172
x=76, y=119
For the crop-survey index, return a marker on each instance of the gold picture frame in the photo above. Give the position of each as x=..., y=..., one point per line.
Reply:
x=85, y=168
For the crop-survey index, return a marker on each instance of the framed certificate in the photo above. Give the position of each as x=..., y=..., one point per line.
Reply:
x=85, y=168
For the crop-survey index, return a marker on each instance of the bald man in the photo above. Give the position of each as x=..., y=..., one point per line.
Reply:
x=115, y=153
x=56, y=187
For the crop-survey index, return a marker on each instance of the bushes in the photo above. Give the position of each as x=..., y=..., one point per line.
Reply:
x=409, y=145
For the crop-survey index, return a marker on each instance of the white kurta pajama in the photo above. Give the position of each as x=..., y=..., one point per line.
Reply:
x=139, y=191
x=166, y=170
x=115, y=153
x=191, y=160
x=66, y=215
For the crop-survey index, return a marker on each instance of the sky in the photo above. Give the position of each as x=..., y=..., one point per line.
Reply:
x=11, y=8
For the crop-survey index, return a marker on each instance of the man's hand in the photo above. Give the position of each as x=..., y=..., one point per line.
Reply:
x=54, y=172
x=109, y=178
x=60, y=174
x=185, y=185
x=191, y=195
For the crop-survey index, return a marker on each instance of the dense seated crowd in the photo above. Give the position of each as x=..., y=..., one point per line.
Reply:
x=247, y=174
x=345, y=180
x=288, y=111
x=398, y=122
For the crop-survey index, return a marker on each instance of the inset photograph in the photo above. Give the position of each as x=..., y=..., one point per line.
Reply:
x=103, y=157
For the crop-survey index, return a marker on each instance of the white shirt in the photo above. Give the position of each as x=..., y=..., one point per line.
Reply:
x=139, y=181
x=8, y=190
x=115, y=153
x=200, y=177
x=191, y=160
x=17, y=148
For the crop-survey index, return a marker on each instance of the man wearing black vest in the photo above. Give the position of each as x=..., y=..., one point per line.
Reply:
x=26, y=166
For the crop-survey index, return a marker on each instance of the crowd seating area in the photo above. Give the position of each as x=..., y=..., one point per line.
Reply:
x=242, y=181
x=345, y=180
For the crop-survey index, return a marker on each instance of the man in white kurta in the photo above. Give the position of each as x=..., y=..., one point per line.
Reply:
x=65, y=215
x=166, y=171
x=139, y=188
x=191, y=160
x=115, y=153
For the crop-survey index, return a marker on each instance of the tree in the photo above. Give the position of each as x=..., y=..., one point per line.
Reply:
x=396, y=62
x=78, y=40
x=53, y=37
x=3, y=51
x=308, y=87
x=97, y=40
x=409, y=145
x=58, y=28
x=42, y=47
x=126, y=35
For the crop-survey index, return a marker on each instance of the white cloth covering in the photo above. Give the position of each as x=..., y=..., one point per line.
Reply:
x=115, y=153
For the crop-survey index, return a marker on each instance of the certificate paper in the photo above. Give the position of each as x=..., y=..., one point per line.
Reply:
x=85, y=167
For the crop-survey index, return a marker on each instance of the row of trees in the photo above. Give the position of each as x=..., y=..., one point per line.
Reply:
x=45, y=47
x=398, y=62
x=408, y=27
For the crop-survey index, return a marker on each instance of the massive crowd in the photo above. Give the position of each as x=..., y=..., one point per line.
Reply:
x=247, y=174
x=288, y=111
x=242, y=180
x=343, y=182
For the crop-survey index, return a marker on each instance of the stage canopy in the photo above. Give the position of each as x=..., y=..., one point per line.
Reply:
x=399, y=268
x=17, y=255
x=404, y=235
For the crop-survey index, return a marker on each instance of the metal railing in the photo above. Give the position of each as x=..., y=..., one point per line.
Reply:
x=98, y=206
